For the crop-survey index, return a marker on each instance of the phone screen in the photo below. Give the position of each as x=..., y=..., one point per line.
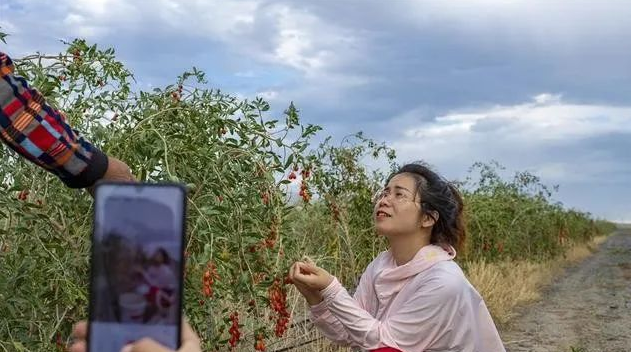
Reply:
x=136, y=279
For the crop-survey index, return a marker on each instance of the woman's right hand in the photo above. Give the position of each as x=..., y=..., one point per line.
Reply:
x=312, y=296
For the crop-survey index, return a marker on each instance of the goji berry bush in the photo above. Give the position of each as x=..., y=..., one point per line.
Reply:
x=261, y=195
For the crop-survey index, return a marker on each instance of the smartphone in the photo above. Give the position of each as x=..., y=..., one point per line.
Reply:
x=136, y=265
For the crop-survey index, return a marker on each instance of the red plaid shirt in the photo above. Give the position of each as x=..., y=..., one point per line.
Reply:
x=38, y=132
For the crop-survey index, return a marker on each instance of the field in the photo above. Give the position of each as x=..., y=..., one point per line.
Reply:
x=262, y=194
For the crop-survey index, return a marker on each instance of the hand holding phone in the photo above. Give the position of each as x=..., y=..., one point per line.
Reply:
x=190, y=341
x=137, y=265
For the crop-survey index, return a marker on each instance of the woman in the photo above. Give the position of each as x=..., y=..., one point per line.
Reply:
x=159, y=283
x=412, y=297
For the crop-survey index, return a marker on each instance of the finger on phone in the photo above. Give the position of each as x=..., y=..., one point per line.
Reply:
x=145, y=345
x=78, y=346
x=80, y=330
x=187, y=333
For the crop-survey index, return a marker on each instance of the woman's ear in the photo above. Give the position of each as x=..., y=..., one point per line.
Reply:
x=429, y=219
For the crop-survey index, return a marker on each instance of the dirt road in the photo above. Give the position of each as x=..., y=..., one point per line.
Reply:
x=588, y=308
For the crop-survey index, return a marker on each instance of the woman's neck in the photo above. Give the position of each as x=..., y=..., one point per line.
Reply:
x=405, y=247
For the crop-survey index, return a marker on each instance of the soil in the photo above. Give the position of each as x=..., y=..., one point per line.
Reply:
x=586, y=309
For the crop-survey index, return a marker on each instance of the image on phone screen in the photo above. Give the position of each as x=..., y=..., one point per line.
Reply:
x=136, y=265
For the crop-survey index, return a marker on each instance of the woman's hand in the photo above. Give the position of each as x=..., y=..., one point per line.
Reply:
x=309, y=279
x=312, y=296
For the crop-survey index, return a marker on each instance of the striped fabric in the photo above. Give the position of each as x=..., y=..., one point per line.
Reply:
x=38, y=132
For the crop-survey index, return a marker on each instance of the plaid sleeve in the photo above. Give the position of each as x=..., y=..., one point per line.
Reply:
x=40, y=133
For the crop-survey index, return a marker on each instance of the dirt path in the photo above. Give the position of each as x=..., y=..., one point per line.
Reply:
x=587, y=308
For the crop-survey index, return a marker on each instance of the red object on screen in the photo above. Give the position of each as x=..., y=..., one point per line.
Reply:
x=386, y=349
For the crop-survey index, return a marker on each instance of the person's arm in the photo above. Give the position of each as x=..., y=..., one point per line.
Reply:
x=40, y=133
x=417, y=323
x=328, y=323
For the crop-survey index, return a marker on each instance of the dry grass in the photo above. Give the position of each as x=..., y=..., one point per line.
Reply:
x=506, y=285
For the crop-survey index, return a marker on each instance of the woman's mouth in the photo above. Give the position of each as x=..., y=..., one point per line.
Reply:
x=382, y=214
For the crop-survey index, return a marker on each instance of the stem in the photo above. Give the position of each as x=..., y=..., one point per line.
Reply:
x=166, y=149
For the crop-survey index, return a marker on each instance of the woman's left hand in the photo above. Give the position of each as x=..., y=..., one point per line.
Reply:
x=310, y=275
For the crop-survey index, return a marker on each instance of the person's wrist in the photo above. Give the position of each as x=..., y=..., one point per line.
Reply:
x=326, y=282
x=314, y=298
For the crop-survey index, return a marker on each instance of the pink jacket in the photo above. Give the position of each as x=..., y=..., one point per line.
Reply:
x=426, y=304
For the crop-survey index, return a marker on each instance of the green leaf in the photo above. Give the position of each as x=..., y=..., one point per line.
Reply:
x=210, y=211
x=290, y=160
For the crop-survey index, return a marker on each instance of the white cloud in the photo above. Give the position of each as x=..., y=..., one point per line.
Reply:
x=568, y=24
x=553, y=170
x=268, y=95
x=528, y=134
x=246, y=74
x=271, y=32
x=545, y=118
x=307, y=42
x=580, y=147
x=223, y=20
x=6, y=25
x=83, y=27
x=547, y=98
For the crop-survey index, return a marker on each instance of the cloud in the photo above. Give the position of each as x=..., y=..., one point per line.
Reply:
x=543, y=122
x=268, y=95
x=581, y=147
x=546, y=117
x=450, y=82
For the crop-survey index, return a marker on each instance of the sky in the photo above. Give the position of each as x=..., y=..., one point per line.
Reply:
x=539, y=86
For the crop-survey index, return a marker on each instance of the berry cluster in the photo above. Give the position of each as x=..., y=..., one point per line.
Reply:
x=23, y=194
x=259, y=343
x=235, y=334
x=278, y=303
x=208, y=280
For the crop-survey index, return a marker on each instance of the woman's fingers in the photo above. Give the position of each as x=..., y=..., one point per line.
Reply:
x=307, y=268
x=298, y=276
x=292, y=273
x=299, y=270
x=306, y=275
x=308, y=260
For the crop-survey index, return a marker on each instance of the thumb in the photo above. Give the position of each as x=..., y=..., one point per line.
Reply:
x=145, y=345
x=190, y=340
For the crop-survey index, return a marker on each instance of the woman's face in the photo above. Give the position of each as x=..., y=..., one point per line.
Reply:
x=158, y=258
x=397, y=207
